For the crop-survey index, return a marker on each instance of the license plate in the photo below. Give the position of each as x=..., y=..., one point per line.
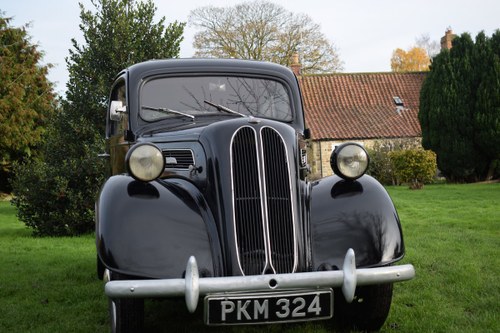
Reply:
x=236, y=309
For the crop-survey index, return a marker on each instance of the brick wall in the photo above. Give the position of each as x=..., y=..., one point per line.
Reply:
x=447, y=39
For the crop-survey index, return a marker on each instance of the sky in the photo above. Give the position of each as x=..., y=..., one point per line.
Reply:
x=365, y=32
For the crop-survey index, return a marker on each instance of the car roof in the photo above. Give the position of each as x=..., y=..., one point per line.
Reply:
x=208, y=65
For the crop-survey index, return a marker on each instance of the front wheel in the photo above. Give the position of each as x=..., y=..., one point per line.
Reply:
x=126, y=314
x=369, y=309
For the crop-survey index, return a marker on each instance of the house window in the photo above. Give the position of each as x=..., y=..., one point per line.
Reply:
x=398, y=101
x=400, y=106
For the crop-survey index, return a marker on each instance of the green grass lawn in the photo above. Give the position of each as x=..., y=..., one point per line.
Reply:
x=47, y=284
x=452, y=235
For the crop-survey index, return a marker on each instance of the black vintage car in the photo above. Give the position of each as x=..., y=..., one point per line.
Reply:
x=209, y=200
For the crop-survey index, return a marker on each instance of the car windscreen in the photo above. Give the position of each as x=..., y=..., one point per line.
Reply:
x=166, y=97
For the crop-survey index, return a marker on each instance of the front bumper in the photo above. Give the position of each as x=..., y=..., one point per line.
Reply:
x=192, y=286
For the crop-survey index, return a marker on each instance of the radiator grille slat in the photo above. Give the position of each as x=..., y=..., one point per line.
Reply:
x=253, y=228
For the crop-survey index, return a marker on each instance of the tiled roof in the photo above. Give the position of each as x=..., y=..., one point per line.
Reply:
x=361, y=105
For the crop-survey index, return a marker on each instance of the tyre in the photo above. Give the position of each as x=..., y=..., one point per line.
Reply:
x=126, y=314
x=367, y=312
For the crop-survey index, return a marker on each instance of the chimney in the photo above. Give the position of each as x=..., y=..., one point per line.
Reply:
x=295, y=64
x=446, y=39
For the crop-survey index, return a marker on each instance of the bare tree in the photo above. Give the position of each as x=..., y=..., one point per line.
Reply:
x=262, y=30
x=432, y=47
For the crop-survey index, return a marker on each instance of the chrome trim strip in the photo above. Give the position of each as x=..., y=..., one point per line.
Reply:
x=265, y=217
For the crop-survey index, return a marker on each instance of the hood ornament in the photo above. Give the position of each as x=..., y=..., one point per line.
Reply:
x=253, y=120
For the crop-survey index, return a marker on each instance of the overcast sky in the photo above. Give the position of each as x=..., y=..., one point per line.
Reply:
x=364, y=31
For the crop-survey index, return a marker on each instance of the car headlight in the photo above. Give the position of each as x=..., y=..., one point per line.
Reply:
x=349, y=161
x=145, y=162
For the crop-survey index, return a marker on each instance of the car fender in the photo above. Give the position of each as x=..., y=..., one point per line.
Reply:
x=353, y=214
x=151, y=229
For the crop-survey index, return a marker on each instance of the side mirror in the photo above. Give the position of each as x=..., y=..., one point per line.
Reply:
x=116, y=110
x=307, y=133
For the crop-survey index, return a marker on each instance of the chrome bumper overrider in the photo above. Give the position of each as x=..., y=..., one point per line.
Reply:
x=192, y=286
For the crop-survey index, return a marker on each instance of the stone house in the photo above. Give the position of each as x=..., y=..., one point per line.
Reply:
x=361, y=107
x=366, y=108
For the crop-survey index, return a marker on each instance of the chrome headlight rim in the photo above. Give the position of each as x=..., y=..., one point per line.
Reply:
x=145, y=162
x=358, y=161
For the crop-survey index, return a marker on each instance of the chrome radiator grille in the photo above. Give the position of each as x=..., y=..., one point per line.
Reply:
x=279, y=202
x=262, y=202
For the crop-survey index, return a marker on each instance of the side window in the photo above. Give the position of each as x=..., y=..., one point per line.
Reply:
x=117, y=126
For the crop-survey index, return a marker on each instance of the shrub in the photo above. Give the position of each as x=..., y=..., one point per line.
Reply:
x=380, y=163
x=55, y=194
x=58, y=201
x=381, y=166
x=414, y=166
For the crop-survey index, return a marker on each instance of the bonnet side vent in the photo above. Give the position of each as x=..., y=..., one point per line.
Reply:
x=178, y=158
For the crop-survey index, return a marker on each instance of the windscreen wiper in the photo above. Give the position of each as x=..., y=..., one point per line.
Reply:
x=224, y=108
x=168, y=111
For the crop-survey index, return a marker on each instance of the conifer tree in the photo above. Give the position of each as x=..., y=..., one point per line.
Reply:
x=27, y=99
x=460, y=108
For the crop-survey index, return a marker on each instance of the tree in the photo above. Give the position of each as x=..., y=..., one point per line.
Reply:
x=261, y=30
x=460, y=108
x=119, y=34
x=431, y=47
x=27, y=99
x=413, y=60
x=56, y=196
